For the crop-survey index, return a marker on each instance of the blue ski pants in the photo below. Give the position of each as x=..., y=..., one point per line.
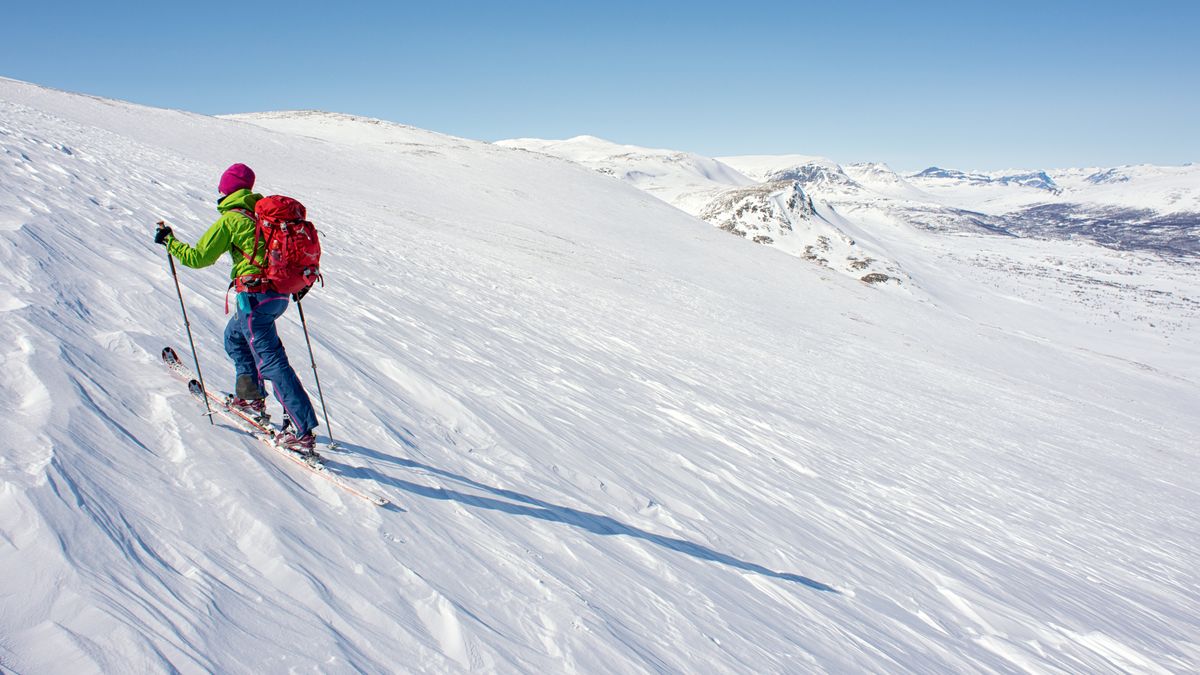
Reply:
x=254, y=345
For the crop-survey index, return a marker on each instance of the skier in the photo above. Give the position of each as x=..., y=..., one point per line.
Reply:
x=251, y=339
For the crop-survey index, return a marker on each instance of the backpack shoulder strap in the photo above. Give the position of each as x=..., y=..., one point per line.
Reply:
x=257, y=237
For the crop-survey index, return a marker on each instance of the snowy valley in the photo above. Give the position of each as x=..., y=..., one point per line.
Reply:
x=617, y=439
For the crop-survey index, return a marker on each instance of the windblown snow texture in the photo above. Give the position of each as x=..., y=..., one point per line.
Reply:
x=625, y=440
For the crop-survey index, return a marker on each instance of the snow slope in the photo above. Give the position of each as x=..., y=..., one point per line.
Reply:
x=620, y=439
x=684, y=179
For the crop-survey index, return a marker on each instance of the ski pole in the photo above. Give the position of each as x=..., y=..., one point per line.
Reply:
x=324, y=411
x=188, y=326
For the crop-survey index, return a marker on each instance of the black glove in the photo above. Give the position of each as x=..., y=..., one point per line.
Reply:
x=298, y=295
x=160, y=236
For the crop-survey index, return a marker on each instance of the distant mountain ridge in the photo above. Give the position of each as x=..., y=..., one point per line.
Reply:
x=1131, y=208
x=1039, y=180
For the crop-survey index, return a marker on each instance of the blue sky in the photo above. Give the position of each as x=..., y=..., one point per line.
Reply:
x=963, y=84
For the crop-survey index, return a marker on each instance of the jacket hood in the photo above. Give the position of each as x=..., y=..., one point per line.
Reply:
x=242, y=199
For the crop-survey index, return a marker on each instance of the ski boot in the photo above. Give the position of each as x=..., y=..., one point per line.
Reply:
x=255, y=409
x=304, y=446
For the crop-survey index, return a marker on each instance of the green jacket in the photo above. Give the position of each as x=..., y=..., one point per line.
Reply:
x=233, y=233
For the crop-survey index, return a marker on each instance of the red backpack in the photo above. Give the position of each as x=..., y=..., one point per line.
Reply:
x=293, y=251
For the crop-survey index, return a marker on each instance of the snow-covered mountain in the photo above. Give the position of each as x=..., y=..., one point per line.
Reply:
x=1033, y=180
x=619, y=439
x=760, y=210
x=1163, y=189
x=774, y=210
x=881, y=179
x=818, y=175
x=1130, y=208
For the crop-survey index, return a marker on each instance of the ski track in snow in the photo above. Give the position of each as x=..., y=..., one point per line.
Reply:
x=618, y=439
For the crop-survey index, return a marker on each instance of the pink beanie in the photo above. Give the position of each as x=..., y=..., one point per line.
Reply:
x=235, y=178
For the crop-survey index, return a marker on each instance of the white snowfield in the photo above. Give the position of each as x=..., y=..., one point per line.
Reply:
x=619, y=440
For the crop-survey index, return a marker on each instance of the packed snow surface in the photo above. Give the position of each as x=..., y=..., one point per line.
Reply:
x=618, y=439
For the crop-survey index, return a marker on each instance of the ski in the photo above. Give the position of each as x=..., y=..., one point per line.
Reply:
x=264, y=432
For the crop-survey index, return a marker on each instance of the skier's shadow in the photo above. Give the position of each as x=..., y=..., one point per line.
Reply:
x=524, y=505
